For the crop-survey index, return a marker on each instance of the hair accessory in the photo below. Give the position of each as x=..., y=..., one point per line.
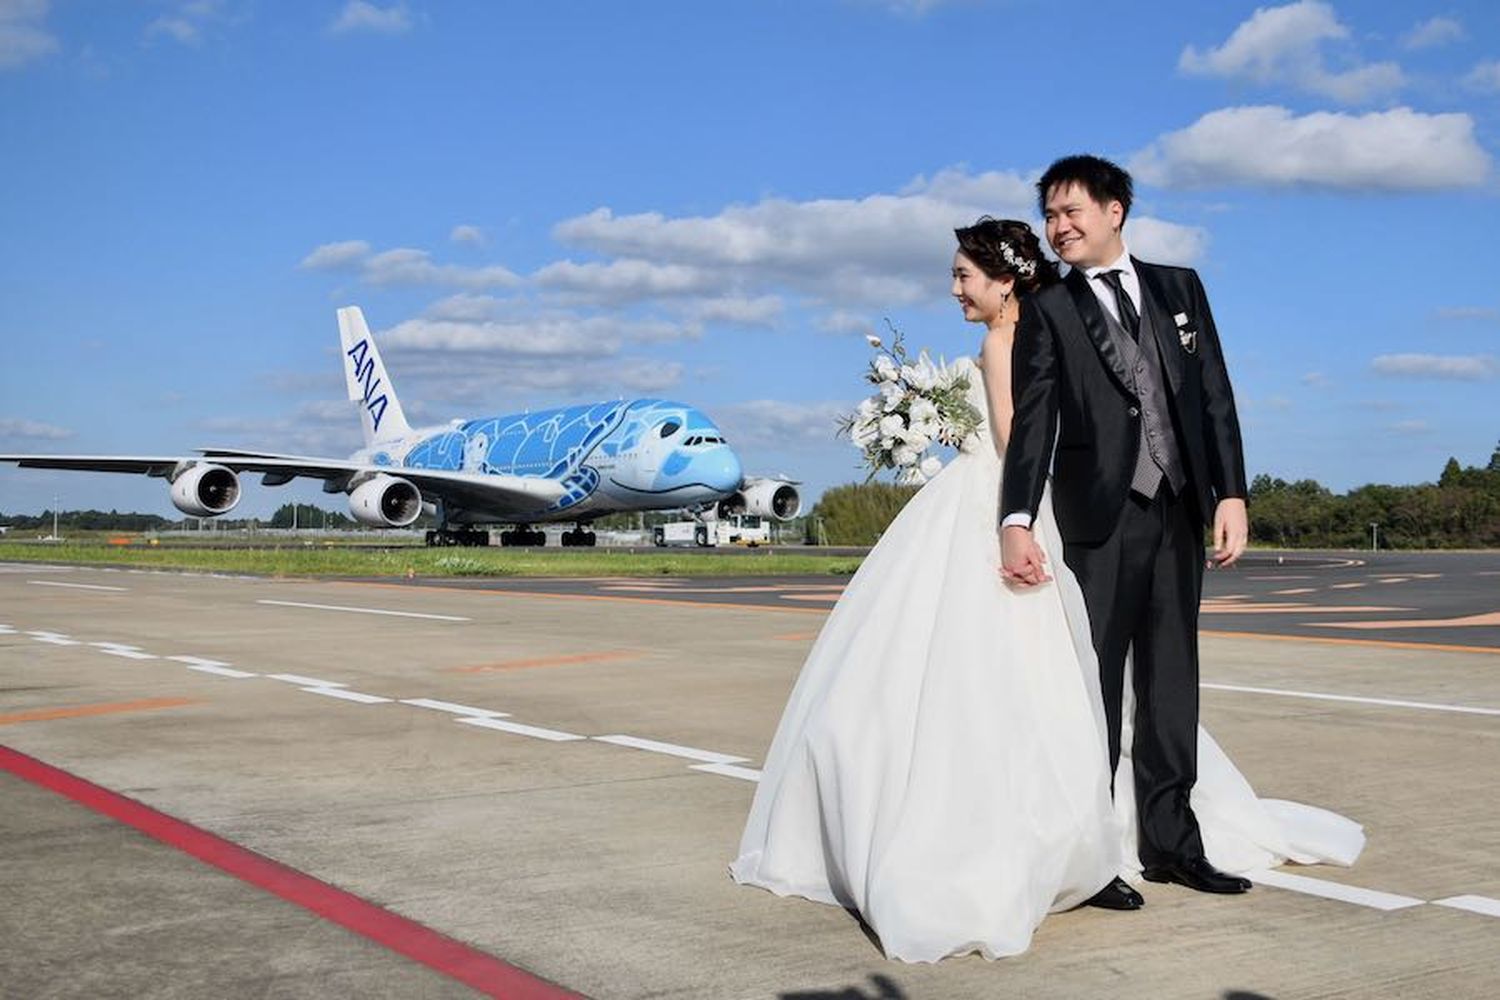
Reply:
x=1024, y=268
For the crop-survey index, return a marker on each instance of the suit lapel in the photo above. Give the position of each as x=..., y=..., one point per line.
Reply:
x=1095, y=326
x=1162, y=325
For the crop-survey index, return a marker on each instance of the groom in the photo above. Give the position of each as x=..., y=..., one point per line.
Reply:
x=1120, y=364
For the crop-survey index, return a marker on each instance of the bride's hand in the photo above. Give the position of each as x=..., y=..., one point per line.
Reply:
x=1022, y=561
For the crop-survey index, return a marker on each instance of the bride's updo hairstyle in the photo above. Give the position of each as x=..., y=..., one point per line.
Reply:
x=1006, y=248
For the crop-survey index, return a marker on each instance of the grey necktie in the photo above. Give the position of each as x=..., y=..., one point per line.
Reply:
x=1129, y=318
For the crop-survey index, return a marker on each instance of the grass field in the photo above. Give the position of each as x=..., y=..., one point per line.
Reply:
x=326, y=560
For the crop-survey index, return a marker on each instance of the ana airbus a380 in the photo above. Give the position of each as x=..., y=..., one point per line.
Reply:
x=569, y=464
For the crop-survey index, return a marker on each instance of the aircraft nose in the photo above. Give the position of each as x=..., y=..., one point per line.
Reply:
x=723, y=470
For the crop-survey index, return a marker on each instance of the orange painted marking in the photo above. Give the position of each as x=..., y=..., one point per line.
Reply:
x=1489, y=618
x=547, y=661
x=1328, y=640
x=81, y=711
x=796, y=636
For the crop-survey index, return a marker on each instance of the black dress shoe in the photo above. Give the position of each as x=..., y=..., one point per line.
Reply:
x=1116, y=896
x=1196, y=873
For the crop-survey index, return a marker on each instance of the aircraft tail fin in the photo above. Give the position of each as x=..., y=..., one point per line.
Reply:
x=369, y=385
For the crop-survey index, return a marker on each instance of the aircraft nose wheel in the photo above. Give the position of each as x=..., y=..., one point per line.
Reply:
x=579, y=537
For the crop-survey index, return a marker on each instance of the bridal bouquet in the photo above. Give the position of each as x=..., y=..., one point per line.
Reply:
x=916, y=404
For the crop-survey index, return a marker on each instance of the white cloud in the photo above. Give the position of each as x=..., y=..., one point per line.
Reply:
x=1471, y=368
x=1432, y=33
x=23, y=33
x=1284, y=45
x=406, y=266
x=464, y=308
x=336, y=255
x=188, y=22
x=738, y=310
x=359, y=15
x=882, y=250
x=846, y=321
x=1485, y=76
x=621, y=281
x=1410, y=427
x=12, y=428
x=1394, y=150
x=471, y=235
x=1315, y=379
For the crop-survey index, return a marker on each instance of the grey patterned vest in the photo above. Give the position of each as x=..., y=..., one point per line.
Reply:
x=1158, y=457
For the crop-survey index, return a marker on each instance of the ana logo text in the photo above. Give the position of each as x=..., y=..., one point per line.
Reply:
x=364, y=374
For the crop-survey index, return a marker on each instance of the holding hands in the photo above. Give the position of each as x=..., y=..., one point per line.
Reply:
x=1022, y=562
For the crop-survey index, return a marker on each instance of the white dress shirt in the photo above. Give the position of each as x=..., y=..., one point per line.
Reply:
x=1131, y=282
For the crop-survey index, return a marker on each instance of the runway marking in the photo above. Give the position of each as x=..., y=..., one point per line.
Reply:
x=547, y=661
x=53, y=638
x=78, y=586
x=483, y=972
x=347, y=695
x=826, y=598
x=1384, y=702
x=122, y=650
x=1474, y=904
x=1488, y=618
x=1281, y=576
x=211, y=666
x=1341, y=641
x=613, y=598
x=796, y=636
x=671, y=749
x=82, y=711
x=1291, y=607
x=365, y=611
x=1335, y=890
x=448, y=706
x=1345, y=586
x=728, y=771
x=554, y=735
x=298, y=679
x=1296, y=590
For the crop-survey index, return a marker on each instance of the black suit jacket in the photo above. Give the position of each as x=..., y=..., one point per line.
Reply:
x=1068, y=382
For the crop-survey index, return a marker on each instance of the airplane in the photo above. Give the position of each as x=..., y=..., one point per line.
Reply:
x=567, y=464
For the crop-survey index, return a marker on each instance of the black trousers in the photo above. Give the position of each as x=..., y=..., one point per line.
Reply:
x=1142, y=587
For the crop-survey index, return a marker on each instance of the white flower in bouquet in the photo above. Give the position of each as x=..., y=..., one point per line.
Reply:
x=916, y=403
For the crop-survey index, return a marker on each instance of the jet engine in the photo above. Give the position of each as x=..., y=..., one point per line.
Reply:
x=776, y=498
x=385, y=502
x=205, y=490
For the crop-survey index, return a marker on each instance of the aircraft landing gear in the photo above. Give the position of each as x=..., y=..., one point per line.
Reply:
x=463, y=536
x=523, y=536
x=579, y=536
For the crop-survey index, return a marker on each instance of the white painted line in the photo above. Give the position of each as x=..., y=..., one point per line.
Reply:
x=1391, y=702
x=301, y=681
x=556, y=736
x=77, y=586
x=1474, y=904
x=211, y=666
x=1335, y=890
x=359, y=696
x=365, y=611
x=7, y=630
x=653, y=746
x=456, y=709
x=55, y=638
x=119, y=649
x=728, y=771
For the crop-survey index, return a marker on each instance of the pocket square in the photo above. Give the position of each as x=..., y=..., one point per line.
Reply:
x=1186, y=335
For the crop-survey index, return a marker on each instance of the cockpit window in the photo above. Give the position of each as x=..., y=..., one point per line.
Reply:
x=669, y=428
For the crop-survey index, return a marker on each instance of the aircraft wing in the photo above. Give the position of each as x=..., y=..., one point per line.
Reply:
x=485, y=492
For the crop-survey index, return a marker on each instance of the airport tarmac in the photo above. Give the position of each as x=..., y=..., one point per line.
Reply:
x=532, y=789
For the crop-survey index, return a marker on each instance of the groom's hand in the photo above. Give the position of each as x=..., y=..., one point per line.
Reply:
x=1231, y=531
x=1022, y=561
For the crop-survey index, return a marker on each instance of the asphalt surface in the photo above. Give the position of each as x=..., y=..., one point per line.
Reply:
x=554, y=774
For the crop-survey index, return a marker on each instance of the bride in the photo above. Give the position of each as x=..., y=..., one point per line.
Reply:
x=941, y=764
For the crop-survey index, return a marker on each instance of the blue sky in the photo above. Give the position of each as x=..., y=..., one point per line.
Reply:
x=548, y=203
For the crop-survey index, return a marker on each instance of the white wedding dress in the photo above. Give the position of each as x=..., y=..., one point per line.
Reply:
x=941, y=765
